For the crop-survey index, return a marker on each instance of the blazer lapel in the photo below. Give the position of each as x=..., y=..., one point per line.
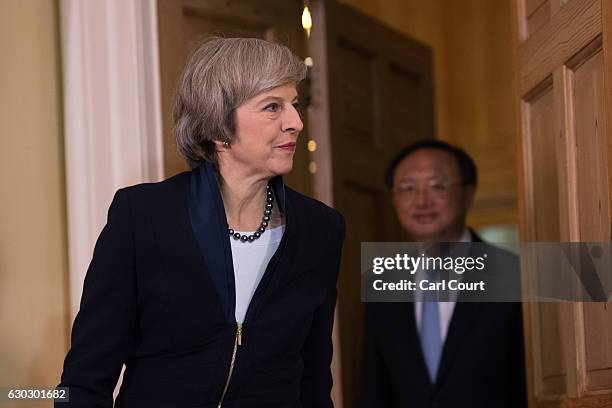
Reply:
x=465, y=317
x=281, y=263
x=210, y=228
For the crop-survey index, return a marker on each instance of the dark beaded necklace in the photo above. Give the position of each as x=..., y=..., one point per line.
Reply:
x=264, y=221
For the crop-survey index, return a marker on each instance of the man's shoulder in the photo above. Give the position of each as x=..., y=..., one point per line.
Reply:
x=501, y=272
x=491, y=249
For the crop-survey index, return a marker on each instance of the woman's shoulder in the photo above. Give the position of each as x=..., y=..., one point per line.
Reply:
x=313, y=207
x=158, y=189
x=172, y=190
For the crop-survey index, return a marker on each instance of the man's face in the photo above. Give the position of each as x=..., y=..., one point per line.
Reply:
x=429, y=198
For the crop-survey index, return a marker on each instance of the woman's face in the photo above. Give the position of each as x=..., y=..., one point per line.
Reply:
x=267, y=128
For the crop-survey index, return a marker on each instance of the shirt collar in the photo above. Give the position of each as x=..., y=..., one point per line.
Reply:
x=466, y=236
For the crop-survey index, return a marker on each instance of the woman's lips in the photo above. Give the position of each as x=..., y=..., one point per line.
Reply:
x=287, y=146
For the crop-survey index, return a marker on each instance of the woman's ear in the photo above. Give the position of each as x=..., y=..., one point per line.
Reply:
x=222, y=146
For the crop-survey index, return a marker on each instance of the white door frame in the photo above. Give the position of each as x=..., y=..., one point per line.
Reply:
x=112, y=114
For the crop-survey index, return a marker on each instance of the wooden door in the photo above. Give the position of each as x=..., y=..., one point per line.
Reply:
x=185, y=23
x=563, y=81
x=371, y=96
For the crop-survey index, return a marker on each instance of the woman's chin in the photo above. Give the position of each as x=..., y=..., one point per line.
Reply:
x=282, y=169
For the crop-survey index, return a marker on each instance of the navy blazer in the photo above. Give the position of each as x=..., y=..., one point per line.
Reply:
x=159, y=297
x=482, y=363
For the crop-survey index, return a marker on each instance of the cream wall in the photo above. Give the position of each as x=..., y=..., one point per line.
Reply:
x=33, y=265
x=473, y=80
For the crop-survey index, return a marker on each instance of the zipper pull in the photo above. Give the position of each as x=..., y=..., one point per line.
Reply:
x=239, y=334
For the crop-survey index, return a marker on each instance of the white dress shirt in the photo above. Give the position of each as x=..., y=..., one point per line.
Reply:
x=250, y=261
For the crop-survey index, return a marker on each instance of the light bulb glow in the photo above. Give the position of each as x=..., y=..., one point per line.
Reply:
x=312, y=145
x=306, y=20
x=312, y=167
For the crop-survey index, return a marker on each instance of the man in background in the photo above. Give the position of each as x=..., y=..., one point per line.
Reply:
x=440, y=354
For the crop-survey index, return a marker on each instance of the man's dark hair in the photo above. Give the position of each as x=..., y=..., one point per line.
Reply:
x=467, y=167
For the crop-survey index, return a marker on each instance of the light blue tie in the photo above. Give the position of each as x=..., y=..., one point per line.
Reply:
x=431, y=341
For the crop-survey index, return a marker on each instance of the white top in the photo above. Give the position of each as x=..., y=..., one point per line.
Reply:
x=250, y=262
x=446, y=308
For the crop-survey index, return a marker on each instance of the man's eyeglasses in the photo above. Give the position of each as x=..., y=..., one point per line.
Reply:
x=435, y=189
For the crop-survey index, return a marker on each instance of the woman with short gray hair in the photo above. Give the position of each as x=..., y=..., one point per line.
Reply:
x=216, y=287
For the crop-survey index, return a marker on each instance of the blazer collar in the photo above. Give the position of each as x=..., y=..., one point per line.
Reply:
x=206, y=178
x=475, y=236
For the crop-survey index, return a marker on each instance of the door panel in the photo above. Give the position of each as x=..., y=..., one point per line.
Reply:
x=563, y=84
x=357, y=117
x=598, y=345
x=539, y=111
x=589, y=116
x=378, y=99
x=538, y=14
x=405, y=118
x=553, y=371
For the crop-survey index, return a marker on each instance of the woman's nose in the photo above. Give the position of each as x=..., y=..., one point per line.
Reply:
x=292, y=121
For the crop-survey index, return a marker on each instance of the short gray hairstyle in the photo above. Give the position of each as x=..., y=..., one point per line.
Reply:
x=221, y=75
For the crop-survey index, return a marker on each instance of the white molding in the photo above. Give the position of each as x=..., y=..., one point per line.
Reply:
x=112, y=114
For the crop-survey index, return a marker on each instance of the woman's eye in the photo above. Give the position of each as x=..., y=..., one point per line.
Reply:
x=272, y=107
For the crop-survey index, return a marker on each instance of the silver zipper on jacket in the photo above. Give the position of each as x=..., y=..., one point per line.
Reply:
x=237, y=343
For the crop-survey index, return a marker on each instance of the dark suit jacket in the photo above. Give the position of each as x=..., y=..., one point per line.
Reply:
x=159, y=297
x=482, y=363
